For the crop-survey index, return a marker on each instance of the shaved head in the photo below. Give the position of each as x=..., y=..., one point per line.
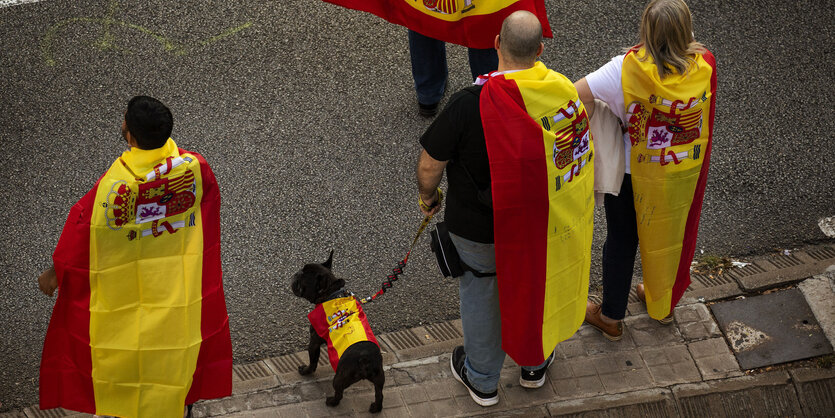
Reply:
x=521, y=37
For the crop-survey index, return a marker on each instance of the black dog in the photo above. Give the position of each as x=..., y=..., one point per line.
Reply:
x=337, y=311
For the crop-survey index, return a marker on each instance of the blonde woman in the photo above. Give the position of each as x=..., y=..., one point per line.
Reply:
x=663, y=90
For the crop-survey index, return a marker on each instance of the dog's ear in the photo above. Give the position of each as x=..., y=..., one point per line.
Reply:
x=328, y=263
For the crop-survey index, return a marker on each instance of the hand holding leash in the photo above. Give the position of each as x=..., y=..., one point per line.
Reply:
x=433, y=207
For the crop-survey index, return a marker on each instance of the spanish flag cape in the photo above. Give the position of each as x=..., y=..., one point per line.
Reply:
x=671, y=131
x=140, y=327
x=341, y=322
x=542, y=174
x=472, y=23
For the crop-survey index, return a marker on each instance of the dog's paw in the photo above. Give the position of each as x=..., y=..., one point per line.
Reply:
x=374, y=408
x=305, y=370
x=332, y=401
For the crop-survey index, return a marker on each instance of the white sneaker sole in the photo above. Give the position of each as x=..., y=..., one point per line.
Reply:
x=530, y=384
x=480, y=401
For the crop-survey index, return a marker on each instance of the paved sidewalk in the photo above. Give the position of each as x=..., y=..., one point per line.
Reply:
x=687, y=368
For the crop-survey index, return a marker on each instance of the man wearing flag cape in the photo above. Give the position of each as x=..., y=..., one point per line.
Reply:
x=518, y=155
x=140, y=327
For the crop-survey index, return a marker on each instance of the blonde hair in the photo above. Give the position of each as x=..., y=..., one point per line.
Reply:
x=667, y=35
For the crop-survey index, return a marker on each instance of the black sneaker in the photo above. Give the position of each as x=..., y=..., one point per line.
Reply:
x=535, y=379
x=456, y=363
x=428, y=110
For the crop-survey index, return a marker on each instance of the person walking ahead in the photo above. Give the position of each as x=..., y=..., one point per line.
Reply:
x=663, y=89
x=518, y=157
x=140, y=327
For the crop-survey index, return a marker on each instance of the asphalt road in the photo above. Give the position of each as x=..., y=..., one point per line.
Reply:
x=307, y=114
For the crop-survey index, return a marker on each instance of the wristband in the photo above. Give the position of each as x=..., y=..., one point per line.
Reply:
x=426, y=207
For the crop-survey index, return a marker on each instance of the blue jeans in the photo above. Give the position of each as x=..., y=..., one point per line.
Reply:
x=480, y=316
x=429, y=67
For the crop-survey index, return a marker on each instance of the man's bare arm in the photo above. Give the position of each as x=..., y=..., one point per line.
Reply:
x=429, y=174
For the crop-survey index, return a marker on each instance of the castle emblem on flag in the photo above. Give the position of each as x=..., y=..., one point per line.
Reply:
x=660, y=129
x=572, y=134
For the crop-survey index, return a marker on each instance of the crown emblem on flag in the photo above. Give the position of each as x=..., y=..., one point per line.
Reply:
x=120, y=205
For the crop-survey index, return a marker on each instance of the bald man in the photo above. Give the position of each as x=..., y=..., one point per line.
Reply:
x=514, y=149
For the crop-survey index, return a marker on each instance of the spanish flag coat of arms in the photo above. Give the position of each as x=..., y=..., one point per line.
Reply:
x=472, y=23
x=341, y=322
x=541, y=168
x=140, y=327
x=671, y=132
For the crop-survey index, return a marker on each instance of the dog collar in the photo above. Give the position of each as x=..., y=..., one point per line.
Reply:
x=341, y=293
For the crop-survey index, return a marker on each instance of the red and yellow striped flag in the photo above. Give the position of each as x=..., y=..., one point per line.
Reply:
x=140, y=327
x=472, y=23
x=671, y=131
x=541, y=168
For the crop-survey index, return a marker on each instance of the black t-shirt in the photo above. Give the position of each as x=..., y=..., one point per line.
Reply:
x=457, y=136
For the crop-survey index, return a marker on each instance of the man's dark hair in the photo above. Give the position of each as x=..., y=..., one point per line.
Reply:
x=149, y=122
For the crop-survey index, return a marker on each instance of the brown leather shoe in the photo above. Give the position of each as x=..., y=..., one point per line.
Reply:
x=667, y=320
x=613, y=332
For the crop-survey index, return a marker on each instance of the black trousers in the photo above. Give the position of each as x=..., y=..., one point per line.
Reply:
x=619, y=250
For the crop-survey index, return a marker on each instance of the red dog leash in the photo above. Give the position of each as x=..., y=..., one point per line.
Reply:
x=398, y=270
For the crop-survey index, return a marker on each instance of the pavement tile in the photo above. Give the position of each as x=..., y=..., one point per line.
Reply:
x=595, y=343
x=399, y=377
x=696, y=323
x=670, y=365
x=465, y=405
x=714, y=359
x=622, y=372
x=315, y=390
x=360, y=402
x=423, y=409
x=439, y=389
x=647, y=332
x=290, y=411
x=643, y=403
x=444, y=407
x=396, y=412
x=583, y=367
x=579, y=387
x=318, y=409
x=819, y=292
x=428, y=371
x=517, y=395
x=413, y=394
x=570, y=348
